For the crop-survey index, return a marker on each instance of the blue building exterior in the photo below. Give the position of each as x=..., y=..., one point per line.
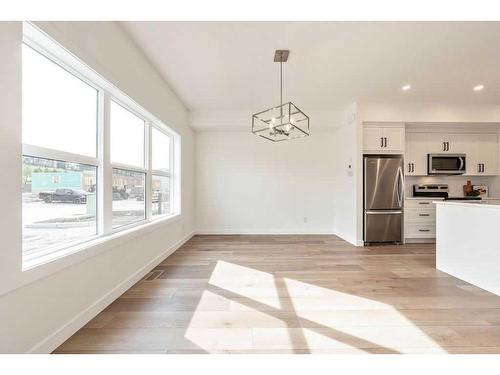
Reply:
x=55, y=180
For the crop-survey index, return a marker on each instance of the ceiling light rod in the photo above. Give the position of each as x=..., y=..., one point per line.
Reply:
x=265, y=123
x=281, y=56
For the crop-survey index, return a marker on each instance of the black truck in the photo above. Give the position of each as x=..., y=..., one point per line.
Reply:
x=64, y=195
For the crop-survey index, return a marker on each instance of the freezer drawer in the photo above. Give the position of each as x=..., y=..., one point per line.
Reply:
x=383, y=226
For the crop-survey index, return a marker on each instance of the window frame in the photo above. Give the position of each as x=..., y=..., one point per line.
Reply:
x=106, y=92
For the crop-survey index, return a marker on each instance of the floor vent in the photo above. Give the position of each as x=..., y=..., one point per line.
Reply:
x=153, y=275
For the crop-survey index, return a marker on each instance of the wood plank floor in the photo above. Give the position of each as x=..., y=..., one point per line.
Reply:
x=295, y=294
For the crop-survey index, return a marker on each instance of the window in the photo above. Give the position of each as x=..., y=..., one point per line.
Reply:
x=161, y=151
x=161, y=195
x=127, y=137
x=128, y=197
x=59, y=203
x=161, y=183
x=59, y=109
x=86, y=174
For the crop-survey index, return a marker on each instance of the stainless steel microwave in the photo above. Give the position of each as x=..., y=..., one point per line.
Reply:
x=445, y=164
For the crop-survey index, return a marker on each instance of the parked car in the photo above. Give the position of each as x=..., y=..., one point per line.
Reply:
x=120, y=194
x=154, y=197
x=64, y=195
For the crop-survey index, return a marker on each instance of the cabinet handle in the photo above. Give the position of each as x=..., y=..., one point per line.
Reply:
x=385, y=142
x=444, y=146
x=424, y=202
x=424, y=230
x=482, y=168
x=381, y=141
x=412, y=167
x=409, y=167
x=447, y=146
x=424, y=215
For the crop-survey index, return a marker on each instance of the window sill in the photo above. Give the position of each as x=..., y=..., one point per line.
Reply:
x=77, y=253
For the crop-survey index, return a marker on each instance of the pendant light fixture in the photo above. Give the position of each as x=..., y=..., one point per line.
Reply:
x=284, y=121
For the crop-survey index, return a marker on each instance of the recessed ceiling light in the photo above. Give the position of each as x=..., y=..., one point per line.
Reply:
x=478, y=87
x=406, y=87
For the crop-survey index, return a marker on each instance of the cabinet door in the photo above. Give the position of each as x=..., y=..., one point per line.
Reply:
x=472, y=155
x=372, y=139
x=487, y=153
x=395, y=138
x=482, y=154
x=416, y=154
x=456, y=143
x=436, y=143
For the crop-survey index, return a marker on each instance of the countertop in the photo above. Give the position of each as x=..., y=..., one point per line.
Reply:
x=468, y=203
x=440, y=199
x=425, y=198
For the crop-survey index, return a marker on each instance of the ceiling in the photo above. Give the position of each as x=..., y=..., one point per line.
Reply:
x=229, y=65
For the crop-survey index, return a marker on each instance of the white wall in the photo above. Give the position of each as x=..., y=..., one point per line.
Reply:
x=347, y=169
x=41, y=307
x=246, y=184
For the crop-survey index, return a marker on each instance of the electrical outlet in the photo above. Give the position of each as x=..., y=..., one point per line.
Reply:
x=305, y=219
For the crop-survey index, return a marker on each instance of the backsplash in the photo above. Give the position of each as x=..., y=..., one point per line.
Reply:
x=455, y=183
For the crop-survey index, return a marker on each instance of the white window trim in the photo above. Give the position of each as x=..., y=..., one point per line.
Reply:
x=43, y=44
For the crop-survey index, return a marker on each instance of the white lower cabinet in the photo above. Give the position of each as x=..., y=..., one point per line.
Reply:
x=420, y=220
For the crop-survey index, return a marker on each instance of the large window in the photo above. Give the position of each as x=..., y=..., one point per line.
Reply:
x=94, y=161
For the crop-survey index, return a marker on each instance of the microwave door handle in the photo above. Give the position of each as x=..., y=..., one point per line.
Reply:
x=460, y=168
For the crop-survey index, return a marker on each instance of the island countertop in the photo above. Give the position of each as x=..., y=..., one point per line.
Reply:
x=467, y=242
x=483, y=203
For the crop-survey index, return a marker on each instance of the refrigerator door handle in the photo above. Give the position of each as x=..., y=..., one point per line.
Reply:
x=400, y=187
x=384, y=212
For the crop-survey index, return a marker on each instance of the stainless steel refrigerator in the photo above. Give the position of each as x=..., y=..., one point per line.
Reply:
x=383, y=198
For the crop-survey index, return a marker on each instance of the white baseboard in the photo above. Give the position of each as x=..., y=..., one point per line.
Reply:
x=56, y=338
x=264, y=231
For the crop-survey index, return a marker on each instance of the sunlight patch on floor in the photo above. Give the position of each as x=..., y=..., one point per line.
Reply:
x=247, y=282
x=256, y=311
x=357, y=320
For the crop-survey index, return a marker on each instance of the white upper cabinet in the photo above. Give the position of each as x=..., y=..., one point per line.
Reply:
x=482, y=154
x=372, y=139
x=441, y=143
x=481, y=150
x=416, y=154
x=382, y=139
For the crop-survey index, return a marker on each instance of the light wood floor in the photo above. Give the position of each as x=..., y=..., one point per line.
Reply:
x=295, y=294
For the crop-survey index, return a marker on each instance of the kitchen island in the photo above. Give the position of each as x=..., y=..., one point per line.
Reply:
x=467, y=242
